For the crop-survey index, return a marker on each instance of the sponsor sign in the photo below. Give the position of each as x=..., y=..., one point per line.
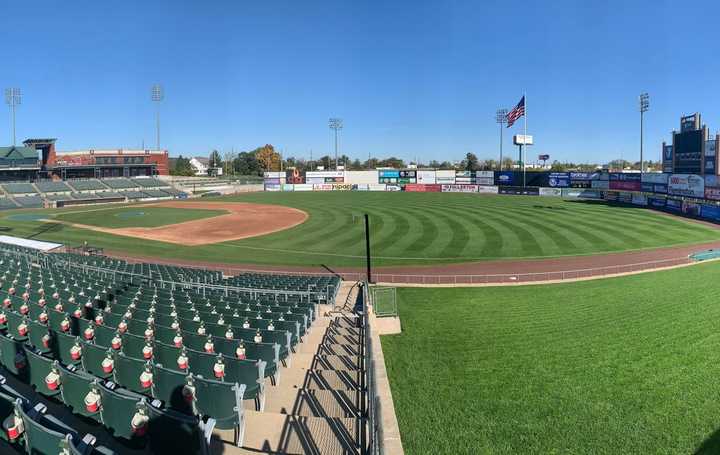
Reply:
x=315, y=180
x=423, y=188
x=586, y=194
x=488, y=189
x=559, y=179
x=467, y=174
x=272, y=181
x=543, y=157
x=294, y=176
x=656, y=202
x=303, y=187
x=273, y=175
x=686, y=185
x=360, y=187
x=518, y=190
x=658, y=188
x=459, y=188
x=324, y=174
x=668, y=153
x=376, y=187
x=673, y=204
x=611, y=195
x=710, y=147
x=709, y=164
x=288, y=187
x=600, y=184
x=272, y=187
x=322, y=187
x=550, y=192
x=426, y=177
x=710, y=211
x=655, y=177
x=444, y=180
x=646, y=187
x=505, y=178
x=342, y=187
x=691, y=208
x=485, y=174
x=389, y=173
x=712, y=193
x=625, y=185
x=639, y=199
x=334, y=179
x=584, y=176
x=623, y=177
x=485, y=180
x=522, y=139
x=687, y=123
x=392, y=188
x=625, y=197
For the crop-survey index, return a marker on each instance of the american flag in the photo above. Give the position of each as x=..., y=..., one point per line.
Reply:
x=516, y=113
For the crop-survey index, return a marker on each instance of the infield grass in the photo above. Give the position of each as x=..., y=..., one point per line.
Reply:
x=138, y=216
x=411, y=228
x=616, y=366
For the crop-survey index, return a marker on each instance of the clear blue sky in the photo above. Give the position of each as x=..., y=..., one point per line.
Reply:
x=409, y=78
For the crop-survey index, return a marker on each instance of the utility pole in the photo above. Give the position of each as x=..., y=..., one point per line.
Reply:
x=644, y=105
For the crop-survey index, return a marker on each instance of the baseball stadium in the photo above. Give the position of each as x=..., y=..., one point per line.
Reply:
x=456, y=239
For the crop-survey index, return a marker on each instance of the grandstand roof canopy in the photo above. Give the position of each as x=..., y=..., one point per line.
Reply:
x=18, y=153
x=30, y=141
x=28, y=243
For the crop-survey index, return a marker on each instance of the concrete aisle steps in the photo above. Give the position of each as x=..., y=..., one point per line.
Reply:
x=316, y=408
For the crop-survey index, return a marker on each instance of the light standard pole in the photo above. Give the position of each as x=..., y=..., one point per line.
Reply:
x=644, y=105
x=336, y=124
x=157, y=96
x=13, y=98
x=501, y=119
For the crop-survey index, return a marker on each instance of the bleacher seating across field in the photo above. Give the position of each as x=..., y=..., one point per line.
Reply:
x=86, y=185
x=6, y=203
x=19, y=188
x=120, y=183
x=29, y=201
x=48, y=186
x=156, y=193
x=150, y=182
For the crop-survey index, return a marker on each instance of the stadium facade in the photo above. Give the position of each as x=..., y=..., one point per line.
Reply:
x=692, y=150
x=38, y=158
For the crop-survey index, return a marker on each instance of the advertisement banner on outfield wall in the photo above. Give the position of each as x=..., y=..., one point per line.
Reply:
x=559, y=179
x=360, y=186
x=673, y=204
x=294, y=176
x=288, y=187
x=600, y=184
x=487, y=189
x=625, y=185
x=485, y=178
x=655, y=177
x=315, y=180
x=445, y=177
x=611, y=195
x=272, y=187
x=325, y=174
x=392, y=188
x=303, y=187
x=272, y=181
x=691, y=208
x=366, y=177
x=423, y=188
x=388, y=176
x=342, y=187
x=323, y=187
x=712, y=193
x=686, y=185
x=656, y=202
x=273, y=175
x=581, y=193
x=550, y=192
x=458, y=188
x=625, y=197
x=426, y=177
x=376, y=187
x=505, y=178
x=639, y=199
x=518, y=190
x=710, y=212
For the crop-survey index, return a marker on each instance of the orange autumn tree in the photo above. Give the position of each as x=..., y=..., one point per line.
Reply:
x=268, y=158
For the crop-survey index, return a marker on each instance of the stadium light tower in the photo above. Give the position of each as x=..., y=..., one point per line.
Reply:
x=336, y=124
x=501, y=119
x=157, y=95
x=13, y=98
x=644, y=105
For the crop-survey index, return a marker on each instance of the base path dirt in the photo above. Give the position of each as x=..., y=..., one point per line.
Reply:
x=243, y=220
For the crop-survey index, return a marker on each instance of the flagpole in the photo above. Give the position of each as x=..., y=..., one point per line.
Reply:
x=525, y=134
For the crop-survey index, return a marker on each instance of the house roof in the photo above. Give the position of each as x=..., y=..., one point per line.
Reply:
x=202, y=160
x=18, y=153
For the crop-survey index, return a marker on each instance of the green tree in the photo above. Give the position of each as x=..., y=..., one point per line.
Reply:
x=214, y=160
x=470, y=163
x=182, y=167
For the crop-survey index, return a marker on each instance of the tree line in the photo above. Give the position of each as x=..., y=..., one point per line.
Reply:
x=266, y=158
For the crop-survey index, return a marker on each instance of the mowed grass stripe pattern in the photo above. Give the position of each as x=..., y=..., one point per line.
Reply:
x=622, y=365
x=138, y=216
x=406, y=229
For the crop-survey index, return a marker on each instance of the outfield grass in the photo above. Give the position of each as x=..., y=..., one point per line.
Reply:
x=416, y=228
x=621, y=365
x=140, y=216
